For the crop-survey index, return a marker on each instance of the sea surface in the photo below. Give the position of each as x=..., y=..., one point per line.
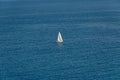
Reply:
x=90, y=30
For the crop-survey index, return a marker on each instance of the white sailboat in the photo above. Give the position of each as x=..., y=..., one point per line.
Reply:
x=59, y=39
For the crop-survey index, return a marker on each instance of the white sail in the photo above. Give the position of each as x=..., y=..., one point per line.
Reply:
x=59, y=39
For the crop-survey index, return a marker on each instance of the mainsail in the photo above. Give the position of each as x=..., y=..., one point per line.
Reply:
x=59, y=39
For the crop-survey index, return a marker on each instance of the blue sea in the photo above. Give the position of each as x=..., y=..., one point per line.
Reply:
x=29, y=30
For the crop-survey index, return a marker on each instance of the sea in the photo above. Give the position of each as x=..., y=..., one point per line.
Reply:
x=90, y=31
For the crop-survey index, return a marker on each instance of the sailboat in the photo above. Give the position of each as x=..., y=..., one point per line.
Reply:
x=59, y=39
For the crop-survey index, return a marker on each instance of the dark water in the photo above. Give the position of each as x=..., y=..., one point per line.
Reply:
x=91, y=33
